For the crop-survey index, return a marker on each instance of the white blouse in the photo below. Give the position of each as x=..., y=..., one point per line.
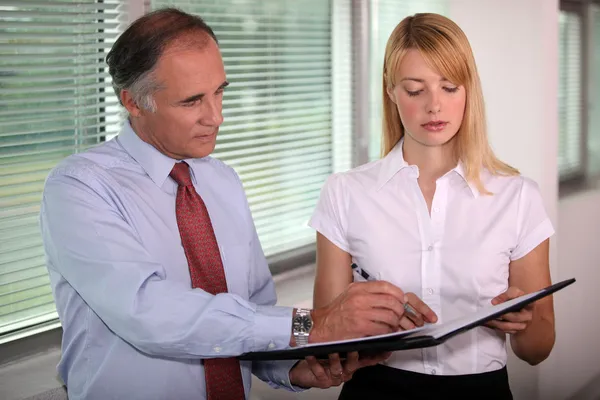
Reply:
x=456, y=259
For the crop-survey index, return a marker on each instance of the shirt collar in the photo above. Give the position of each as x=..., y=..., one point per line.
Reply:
x=394, y=162
x=157, y=165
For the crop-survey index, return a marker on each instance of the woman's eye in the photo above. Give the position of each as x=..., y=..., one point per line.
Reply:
x=451, y=89
x=413, y=93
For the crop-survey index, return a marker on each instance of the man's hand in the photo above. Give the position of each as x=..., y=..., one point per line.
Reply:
x=324, y=374
x=417, y=314
x=513, y=322
x=363, y=309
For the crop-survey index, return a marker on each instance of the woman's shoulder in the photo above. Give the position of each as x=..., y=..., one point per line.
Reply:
x=358, y=178
x=509, y=184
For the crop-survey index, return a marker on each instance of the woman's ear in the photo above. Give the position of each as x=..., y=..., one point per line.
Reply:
x=390, y=92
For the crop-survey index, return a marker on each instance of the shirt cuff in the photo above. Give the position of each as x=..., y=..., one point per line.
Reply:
x=541, y=233
x=272, y=328
x=277, y=374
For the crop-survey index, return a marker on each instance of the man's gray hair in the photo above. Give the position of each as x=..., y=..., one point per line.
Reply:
x=133, y=58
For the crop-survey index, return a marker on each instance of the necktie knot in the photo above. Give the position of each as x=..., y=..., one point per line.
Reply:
x=181, y=174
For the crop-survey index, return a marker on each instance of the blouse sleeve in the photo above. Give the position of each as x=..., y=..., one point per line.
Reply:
x=533, y=224
x=330, y=215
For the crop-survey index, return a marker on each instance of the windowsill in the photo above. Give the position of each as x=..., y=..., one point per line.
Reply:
x=28, y=363
x=576, y=186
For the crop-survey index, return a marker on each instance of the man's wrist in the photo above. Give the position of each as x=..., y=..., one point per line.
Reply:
x=302, y=325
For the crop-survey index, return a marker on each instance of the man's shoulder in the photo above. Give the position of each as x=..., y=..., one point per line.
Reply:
x=90, y=164
x=223, y=172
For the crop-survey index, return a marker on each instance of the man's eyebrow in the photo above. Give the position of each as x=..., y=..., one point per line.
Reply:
x=199, y=96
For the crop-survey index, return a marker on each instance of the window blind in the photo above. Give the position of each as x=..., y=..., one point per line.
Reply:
x=54, y=95
x=569, y=94
x=278, y=111
x=384, y=16
x=594, y=94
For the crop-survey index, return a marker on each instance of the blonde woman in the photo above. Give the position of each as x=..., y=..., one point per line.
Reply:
x=443, y=219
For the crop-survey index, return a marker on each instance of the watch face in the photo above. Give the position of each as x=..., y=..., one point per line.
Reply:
x=303, y=323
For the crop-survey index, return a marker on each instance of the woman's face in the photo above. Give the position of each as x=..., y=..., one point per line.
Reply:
x=430, y=106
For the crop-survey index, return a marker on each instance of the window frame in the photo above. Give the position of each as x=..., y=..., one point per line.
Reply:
x=582, y=179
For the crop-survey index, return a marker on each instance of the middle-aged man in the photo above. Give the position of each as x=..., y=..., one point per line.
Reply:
x=155, y=264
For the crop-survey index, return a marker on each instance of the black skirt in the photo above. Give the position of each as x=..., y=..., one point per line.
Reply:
x=382, y=382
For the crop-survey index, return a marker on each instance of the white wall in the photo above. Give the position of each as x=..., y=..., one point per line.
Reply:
x=575, y=361
x=516, y=48
x=515, y=45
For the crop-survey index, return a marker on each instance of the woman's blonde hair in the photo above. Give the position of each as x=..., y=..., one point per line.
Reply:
x=445, y=47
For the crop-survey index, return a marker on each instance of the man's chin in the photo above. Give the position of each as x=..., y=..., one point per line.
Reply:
x=200, y=151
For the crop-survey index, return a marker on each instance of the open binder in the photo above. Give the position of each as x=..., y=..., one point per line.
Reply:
x=425, y=336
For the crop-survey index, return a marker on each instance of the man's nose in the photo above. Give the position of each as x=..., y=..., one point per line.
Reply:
x=213, y=113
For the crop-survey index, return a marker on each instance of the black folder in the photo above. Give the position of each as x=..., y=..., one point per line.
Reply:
x=425, y=336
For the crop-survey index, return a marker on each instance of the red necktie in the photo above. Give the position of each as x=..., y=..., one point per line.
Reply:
x=223, y=375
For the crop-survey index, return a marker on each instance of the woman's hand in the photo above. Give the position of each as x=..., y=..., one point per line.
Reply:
x=513, y=322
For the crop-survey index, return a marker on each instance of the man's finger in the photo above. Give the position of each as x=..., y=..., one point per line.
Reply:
x=352, y=363
x=422, y=309
x=317, y=369
x=335, y=365
x=382, y=316
x=406, y=324
x=385, y=301
x=383, y=287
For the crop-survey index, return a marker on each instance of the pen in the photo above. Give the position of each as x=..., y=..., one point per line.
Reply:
x=407, y=307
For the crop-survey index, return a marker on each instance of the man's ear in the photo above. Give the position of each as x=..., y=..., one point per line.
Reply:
x=130, y=104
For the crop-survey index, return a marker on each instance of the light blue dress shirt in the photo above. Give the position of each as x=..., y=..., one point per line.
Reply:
x=133, y=326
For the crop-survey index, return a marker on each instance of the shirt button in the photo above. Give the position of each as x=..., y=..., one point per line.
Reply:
x=433, y=372
x=271, y=345
x=217, y=349
x=282, y=382
x=430, y=291
x=430, y=247
x=435, y=209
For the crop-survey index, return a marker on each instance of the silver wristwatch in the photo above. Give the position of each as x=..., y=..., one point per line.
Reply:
x=301, y=326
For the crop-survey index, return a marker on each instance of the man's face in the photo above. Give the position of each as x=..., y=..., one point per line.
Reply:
x=188, y=105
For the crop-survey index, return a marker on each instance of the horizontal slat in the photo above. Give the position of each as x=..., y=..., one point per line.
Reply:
x=225, y=155
x=36, y=287
x=76, y=6
x=64, y=88
x=278, y=73
x=316, y=166
x=250, y=99
x=34, y=302
x=23, y=57
x=22, y=280
x=260, y=196
x=53, y=38
x=45, y=117
x=279, y=117
x=64, y=25
x=289, y=158
x=70, y=140
x=14, y=256
x=22, y=243
x=20, y=209
x=298, y=136
x=309, y=51
x=25, y=263
x=66, y=14
x=276, y=107
x=50, y=80
x=45, y=48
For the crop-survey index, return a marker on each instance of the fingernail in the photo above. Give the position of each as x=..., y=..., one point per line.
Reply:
x=405, y=298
